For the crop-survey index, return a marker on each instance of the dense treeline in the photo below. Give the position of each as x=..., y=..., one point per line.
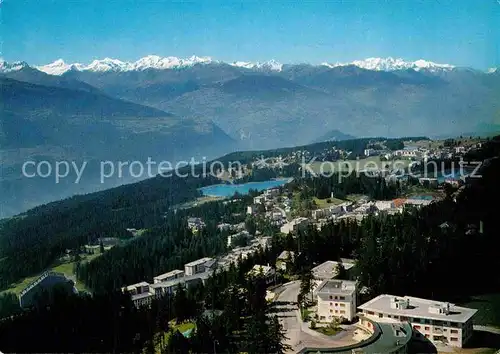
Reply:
x=339, y=186
x=164, y=247
x=230, y=313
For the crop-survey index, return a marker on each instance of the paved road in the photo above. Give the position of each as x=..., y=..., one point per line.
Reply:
x=299, y=337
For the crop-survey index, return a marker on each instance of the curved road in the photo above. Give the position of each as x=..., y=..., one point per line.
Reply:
x=298, y=335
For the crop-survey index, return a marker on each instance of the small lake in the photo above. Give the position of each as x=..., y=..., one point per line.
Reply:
x=228, y=190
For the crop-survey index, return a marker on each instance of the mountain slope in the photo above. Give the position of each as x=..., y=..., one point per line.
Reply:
x=334, y=135
x=41, y=123
x=34, y=76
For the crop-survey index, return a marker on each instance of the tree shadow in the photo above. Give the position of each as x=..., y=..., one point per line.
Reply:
x=421, y=346
x=483, y=339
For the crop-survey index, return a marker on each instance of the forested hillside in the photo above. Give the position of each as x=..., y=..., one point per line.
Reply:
x=42, y=234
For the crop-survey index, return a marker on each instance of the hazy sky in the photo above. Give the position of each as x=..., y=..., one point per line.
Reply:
x=459, y=32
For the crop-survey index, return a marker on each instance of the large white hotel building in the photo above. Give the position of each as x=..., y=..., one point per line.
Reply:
x=439, y=322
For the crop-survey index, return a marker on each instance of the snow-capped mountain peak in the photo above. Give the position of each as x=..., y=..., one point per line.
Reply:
x=6, y=67
x=392, y=64
x=59, y=67
x=271, y=65
x=157, y=62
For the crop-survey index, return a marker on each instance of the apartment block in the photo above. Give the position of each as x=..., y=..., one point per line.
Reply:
x=198, y=266
x=136, y=289
x=438, y=322
x=168, y=276
x=336, y=299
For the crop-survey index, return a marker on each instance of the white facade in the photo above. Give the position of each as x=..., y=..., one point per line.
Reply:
x=336, y=299
x=251, y=209
x=384, y=204
x=438, y=322
x=294, y=225
x=136, y=289
x=168, y=276
x=195, y=267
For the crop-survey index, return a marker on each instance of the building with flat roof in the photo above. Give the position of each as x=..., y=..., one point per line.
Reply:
x=294, y=225
x=137, y=288
x=197, y=266
x=439, y=322
x=328, y=269
x=174, y=274
x=336, y=299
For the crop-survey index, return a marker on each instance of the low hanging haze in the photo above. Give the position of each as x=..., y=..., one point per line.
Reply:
x=459, y=32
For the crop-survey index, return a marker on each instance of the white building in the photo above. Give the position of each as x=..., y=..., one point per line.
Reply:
x=328, y=269
x=251, y=209
x=195, y=267
x=369, y=152
x=439, y=322
x=136, y=289
x=384, y=204
x=336, y=299
x=271, y=193
x=258, y=200
x=321, y=213
x=294, y=225
x=174, y=274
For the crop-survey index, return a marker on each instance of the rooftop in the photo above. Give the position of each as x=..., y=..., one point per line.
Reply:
x=328, y=269
x=182, y=280
x=198, y=262
x=333, y=286
x=140, y=296
x=136, y=285
x=418, y=308
x=169, y=274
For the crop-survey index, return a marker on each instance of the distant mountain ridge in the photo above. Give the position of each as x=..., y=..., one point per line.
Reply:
x=60, y=67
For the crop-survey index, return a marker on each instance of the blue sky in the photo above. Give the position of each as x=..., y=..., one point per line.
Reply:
x=459, y=32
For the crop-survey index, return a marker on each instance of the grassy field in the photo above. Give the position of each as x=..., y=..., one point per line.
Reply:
x=323, y=203
x=197, y=201
x=65, y=268
x=356, y=165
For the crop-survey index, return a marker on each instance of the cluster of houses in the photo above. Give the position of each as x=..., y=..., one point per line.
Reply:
x=272, y=205
x=414, y=152
x=356, y=211
x=441, y=323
